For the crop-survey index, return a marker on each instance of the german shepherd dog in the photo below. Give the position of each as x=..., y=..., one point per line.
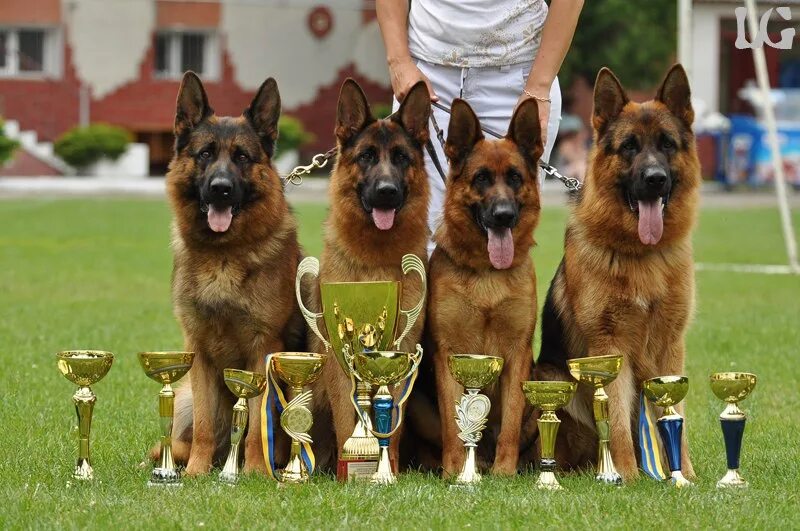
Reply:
x=483, y=283
x=626, y=282
x=378, y=213
x=235, y=256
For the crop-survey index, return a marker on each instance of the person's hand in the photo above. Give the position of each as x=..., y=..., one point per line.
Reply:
x=544, y=112
x=404, y=74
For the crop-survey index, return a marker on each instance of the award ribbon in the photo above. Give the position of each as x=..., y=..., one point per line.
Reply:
x=274, y=395
x=649, y=442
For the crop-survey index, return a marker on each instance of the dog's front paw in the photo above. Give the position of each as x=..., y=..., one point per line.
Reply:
x=254, y=465
x=628, y=470
x=196, y=467
x=504, y=468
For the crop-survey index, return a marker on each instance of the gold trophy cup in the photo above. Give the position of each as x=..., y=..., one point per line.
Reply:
x=166, y=368
x=666, y=392
x=548, y=396
x=297, y=369
x=732, y=388
x=474, y=372
x=599, y=371
x=245, y=385
x=384, y=368
x=84, y=368
x=363, y=316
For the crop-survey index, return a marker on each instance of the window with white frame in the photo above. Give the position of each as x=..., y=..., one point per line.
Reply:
x=179, y=51
x=28, y=52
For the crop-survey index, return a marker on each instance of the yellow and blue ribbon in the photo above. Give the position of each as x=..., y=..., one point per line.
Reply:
x=649, y=443
x=274, y=402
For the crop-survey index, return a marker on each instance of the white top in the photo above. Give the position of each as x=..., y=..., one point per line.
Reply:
x=475, y=33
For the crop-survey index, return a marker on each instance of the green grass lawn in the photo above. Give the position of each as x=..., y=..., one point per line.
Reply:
x=95, y=274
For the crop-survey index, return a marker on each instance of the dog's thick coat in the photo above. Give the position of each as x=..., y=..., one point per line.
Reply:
x=378, y=213
x=626, y=282
x=235, y=256
x=483, y=283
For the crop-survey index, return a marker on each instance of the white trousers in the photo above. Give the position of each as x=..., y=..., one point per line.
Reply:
x=492, y=92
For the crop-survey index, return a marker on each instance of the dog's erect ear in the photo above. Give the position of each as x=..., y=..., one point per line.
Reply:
x=192, y=105
x=414, y=112
x=609, y=99
x=463, y=133
x=263, y=114
x=526, y=132
x=676, y=94
x=353, y=113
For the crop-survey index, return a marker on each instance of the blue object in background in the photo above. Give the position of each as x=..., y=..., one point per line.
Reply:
x=749, y=157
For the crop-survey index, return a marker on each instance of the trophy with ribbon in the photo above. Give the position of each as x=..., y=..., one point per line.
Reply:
x=732, y=387
x=297, y=370
x=364, y=317
x=384, y=368
x=666, y=392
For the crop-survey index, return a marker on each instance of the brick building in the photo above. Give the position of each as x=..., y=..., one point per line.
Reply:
x=68, y=62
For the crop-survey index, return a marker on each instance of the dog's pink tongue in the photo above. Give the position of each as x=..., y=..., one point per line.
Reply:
x=219, y=219
x=383, y=219
x=501, y=248
x=651, y=222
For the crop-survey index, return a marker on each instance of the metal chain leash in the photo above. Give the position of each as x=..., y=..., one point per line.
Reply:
x=320, y=160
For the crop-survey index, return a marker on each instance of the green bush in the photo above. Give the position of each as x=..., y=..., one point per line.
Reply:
x=7, y=145
x=83, y=146
x=382, y=110
x=291, y=135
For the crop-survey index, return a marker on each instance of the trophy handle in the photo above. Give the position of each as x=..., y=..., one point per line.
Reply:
x=310, y=266
x=411, y=262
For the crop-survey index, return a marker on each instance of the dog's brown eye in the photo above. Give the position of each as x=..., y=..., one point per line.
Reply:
x=482, y=178
x=241, y=157
x=206, y=154
x=667, y=144
x=367, y=157
x=401, y=159
x=630, y=146
x=514, y=178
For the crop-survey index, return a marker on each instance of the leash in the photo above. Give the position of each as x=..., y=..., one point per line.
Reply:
x=320, y=160
x=572, y=184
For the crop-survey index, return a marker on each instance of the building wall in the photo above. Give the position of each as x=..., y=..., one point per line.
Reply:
x=107, y=50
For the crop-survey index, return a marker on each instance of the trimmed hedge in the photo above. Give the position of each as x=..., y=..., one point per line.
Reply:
x=291, y=135
x=83, y=146
x=7, y=145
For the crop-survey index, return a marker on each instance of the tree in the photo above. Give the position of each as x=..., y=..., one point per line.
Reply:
x=637, y=40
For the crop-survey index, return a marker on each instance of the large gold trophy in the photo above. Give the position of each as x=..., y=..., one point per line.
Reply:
x=474, y=372
x=166, y=368
x=548, y=396
x=84, y=368
x=599, y=371
x=364, y=317
x=732, y=388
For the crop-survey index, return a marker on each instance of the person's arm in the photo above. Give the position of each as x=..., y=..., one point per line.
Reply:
x=557, y=33
x=393, y=21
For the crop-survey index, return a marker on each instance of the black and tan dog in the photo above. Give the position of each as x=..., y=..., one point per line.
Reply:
x=235, y=257
x=626, y=282
x=378, y=213
x=483, y=283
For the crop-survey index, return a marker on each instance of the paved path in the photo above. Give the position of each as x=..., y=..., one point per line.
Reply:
x=313, y=190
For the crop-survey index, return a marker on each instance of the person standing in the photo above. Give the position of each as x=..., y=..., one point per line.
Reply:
x=492, y=53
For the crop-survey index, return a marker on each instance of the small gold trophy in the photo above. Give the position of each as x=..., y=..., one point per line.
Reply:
x=385, y=368
x=297, y=369
x=363, y=316
x=732, y=387
x=245, y=385
x=474, y=372
x=599, y=371
x=666, y=392
x=84, y=368
x=548, y=396
x=166, y=368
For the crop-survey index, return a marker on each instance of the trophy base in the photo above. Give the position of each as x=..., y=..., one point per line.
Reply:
x=228, y=478
x=732, y=479
x=83, y=471
x=548, y=481
x=609, y=478
x=163, y=477
x=677, y=478
x=356, y=469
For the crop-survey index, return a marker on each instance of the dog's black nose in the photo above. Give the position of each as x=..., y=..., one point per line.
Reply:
x=387, y=191
x=503, y=215
x=221, y=188
x=654, y=177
